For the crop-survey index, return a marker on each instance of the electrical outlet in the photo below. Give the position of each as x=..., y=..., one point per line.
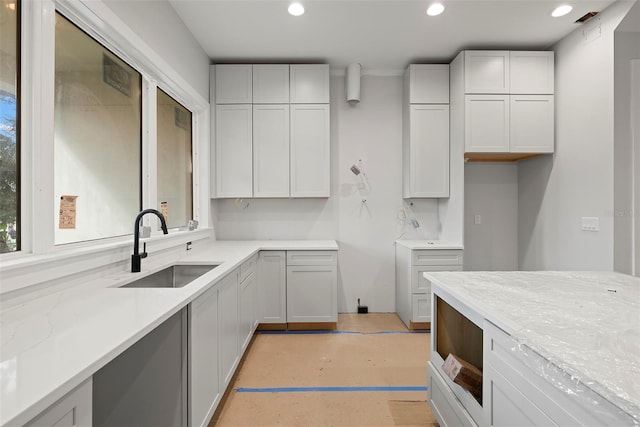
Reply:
x=590, y=223
x=477, y=220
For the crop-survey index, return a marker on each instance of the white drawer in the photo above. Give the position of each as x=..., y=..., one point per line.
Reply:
x=421, y=285
x=248, y=267
x=312, y=257
x=436, y=257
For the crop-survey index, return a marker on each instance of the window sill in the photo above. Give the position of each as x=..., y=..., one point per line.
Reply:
x=22, y=271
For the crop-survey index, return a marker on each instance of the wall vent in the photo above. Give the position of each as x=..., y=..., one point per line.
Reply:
x=586, y=17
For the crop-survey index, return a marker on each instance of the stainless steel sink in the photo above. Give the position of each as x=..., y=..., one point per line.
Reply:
x=175, y=276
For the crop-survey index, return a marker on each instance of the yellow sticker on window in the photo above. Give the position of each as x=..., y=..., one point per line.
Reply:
x=164, y=209
x=67, y=212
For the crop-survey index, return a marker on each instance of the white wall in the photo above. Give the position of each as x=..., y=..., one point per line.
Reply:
x=160, y=27
x=555, y=192
x=635, y=109
x=370, y=131
x=491, y=191
x=627, y=47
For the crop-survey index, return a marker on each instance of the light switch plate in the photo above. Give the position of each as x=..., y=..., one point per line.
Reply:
x=590, y=223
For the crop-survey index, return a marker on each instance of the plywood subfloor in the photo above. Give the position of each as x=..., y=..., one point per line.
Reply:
x=325, y=379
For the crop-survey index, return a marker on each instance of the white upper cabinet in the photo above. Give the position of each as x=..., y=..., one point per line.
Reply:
x=271, y=84
x=234, y=168
x=277, y=143
x=487, y=123
x=428, y=151
x=234, y=83
x=532, y=72
x=531, y=123
x=428, y=83
x=486, y=71
x=271, y=150
x=309, y=84
x=310, y=156
x=509, y=103
x=425, y=134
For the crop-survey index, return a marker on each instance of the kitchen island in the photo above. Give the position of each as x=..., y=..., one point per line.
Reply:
x=554, y=347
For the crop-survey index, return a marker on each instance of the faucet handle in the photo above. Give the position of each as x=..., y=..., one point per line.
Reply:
x=144, y=250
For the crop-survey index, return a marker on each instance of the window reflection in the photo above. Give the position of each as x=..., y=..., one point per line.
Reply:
x=9, y=125
x=98, y=126
x=174, y=161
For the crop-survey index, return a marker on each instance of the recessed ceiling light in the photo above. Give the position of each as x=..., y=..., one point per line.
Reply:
x=561, y=10
x=435, y=9
x=296, y=9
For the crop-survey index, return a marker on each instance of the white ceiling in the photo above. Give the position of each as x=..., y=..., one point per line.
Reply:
x=383, y=35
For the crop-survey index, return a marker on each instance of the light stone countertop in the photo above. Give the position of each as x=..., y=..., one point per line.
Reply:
x=52, y=344
x=428, y=244
x=585, y=323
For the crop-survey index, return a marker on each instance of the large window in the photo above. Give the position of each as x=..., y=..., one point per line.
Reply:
x=175, y=168
x=9, y=125
x=98, y=129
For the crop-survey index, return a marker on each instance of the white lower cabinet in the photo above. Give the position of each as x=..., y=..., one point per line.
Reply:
x=229, y=328
x=312, y=287
x=272, y=287
x=204, y=391
x=413, y=291
x=312, y=293
x=247, y=303
x=73, y=410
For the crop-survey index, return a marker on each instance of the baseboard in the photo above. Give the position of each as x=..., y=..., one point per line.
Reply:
x=419, y=326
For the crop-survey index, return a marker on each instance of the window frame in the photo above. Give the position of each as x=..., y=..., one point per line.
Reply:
x=37, y=42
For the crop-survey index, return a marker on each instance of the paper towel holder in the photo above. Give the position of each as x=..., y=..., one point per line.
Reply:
x=353, y=83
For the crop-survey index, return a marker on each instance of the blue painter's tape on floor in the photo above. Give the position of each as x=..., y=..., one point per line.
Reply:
x=342, y=332
x=328, y=389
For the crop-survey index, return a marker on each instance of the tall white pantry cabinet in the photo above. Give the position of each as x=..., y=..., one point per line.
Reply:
x=272, y=132
x=425, y=145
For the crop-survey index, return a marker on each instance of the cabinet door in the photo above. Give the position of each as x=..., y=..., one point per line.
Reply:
x=204, y=393
x=229, y=332
x=233, y=83
x=312, y=293
x=486, y=71
x=73, y=410
x=429, y=84
x=532, y=123
x=234, y=166
x=531, y=72
x=509, y=407
x=310, y=150
x=309, y=84
x=272, y=287
x=445, y=405
x=429, y=151
x=247, y=310
x=270, y=84
x=271, y=150
x=421, y=307
x=486, y=124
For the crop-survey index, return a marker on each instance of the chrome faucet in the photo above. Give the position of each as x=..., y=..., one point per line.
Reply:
x=136, y=258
